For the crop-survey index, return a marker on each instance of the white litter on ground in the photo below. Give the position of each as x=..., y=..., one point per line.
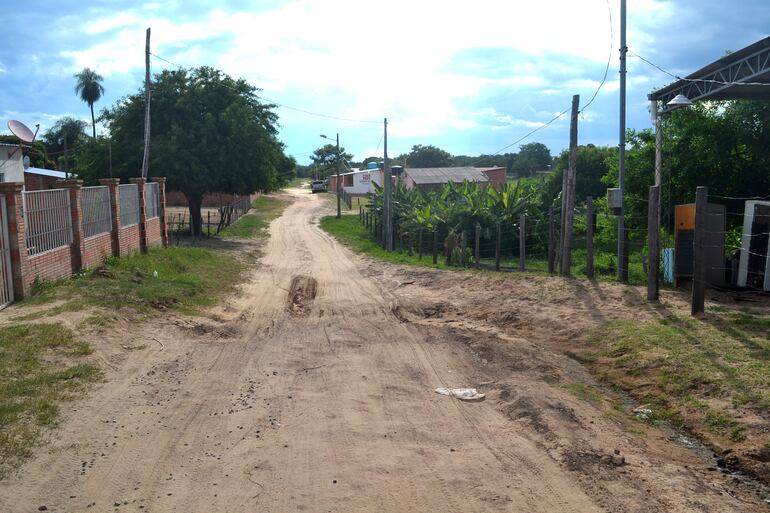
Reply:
x=464, y=394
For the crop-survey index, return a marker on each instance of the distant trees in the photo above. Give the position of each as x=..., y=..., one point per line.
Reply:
x=425, y=156
x=89, y=88
x=325, y=160
x=531, y=157
x=66, y=132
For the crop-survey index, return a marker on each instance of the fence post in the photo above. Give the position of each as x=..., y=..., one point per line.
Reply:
x=78, y=247
x=419, y=245
x=699, y=260
x=477, y=247
x=140, y=182
x=590, y=238
x=551, y=241
x=16, y=238
x=208, y=223
x=497, y=248
x=435, y=247
x=522, y=241
x=112, y=186
x=653, y=238
x=463, y=248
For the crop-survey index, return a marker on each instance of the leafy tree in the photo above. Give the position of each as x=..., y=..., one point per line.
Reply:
x=325, y=160
x=531, y=157
x=210, y=133
x=38, y=156
x=90, y=89
x=426, y=156
x=70, y=130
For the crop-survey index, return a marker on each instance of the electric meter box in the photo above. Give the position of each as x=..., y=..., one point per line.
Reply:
x=615, y=201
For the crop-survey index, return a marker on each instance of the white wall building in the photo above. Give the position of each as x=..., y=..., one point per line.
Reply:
x=11, y=163
x=360, y=181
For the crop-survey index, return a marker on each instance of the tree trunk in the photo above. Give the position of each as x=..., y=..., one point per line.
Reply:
x=194, y=202
x=93, y=120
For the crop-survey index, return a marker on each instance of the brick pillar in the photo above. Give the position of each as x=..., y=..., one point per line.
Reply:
x=16, y=238
x=112, y=185
x=78, y=247
x=162, y=212
x=142, y=213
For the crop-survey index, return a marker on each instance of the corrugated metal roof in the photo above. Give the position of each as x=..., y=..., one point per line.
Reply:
x=431, y=175
x=46, y=172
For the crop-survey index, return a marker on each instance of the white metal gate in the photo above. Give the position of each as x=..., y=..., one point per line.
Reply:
x=6, y=278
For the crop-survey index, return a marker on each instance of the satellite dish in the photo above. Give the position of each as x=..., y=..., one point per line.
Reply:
x=21, y=131
x=26, y=162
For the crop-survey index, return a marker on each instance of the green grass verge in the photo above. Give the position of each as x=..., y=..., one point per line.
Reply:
x=255, y=223
x=187, y=278
x=349, y=231
x=704, y=370
x=31, y=388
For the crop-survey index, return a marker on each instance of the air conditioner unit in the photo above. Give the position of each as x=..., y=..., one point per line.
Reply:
x=754, y=266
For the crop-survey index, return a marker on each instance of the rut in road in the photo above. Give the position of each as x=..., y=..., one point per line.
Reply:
x=321, y=398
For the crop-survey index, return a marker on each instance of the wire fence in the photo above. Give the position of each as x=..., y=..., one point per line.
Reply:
x=212, y=220
x=152, y=200
x=129, y=204
x=97, y=210
x=47, y=218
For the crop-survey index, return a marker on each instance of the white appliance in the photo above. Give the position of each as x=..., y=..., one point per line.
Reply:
x=754, y=266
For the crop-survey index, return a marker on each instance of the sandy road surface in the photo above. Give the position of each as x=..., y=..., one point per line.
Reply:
x=315, y=394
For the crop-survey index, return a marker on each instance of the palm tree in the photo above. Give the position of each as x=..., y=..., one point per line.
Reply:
x=89, y=89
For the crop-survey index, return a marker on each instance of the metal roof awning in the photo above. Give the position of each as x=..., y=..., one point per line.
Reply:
x=742, y=75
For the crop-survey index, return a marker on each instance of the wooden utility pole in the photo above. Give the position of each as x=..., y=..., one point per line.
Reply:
x=477, y=248
x=653, y=238
x=699, y=256
x=146, y=159
x=522, y=241
x=551, y=241
x=590, y=237
x=568, y=212
x=388, y=193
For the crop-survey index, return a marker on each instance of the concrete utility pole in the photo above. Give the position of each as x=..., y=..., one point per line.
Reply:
x=146, y=159
x=387, y=189
x=339, y=157
x=622, y=253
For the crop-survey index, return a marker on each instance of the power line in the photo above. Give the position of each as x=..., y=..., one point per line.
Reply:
x=282, y=105
x=517, y=141
x=606, y=69
x=702, y=80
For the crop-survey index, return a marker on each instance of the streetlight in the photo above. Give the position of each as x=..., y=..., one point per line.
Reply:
x=337, y=181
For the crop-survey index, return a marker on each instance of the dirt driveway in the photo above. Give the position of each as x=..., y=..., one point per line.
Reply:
x=313, y=390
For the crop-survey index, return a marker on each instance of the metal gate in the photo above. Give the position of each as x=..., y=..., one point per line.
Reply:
x=6, y=278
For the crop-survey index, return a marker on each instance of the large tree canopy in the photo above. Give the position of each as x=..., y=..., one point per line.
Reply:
x=426, y=156
x=325, y=160
x=210, y=133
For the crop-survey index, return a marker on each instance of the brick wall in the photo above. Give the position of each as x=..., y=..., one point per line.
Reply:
x=51, y=265
x=97, y=248
x=130, y=241
x=153, y=232
x=82, y=253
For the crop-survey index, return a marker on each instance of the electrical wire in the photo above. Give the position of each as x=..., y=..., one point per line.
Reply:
x=607, y=69
x=700, y=80
x=279, y=104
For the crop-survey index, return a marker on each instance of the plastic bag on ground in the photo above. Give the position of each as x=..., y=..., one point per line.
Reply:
x=464, y=394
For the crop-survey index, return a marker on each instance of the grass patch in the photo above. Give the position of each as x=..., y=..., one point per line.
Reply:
x=187, y=278
x=255, y=223
x=31, y=386
x=583, y=391
x=349, y=231
x=700, y=369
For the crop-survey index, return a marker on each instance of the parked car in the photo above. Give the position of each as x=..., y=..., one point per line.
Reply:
x=318, y=186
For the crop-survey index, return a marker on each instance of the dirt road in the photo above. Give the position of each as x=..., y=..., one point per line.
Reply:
x=314, y=391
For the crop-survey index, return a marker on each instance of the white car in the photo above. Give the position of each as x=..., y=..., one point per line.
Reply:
x=318, y=186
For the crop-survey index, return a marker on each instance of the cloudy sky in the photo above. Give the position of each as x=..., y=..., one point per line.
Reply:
x=469, y=77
